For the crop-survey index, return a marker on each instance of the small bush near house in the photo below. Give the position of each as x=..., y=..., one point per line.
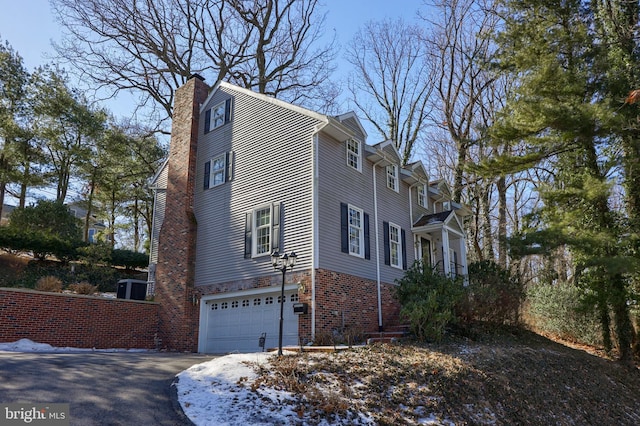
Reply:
x=49, y=283
x=428, y=301
x=557, y=309
x=493, y=295
x=83, y=288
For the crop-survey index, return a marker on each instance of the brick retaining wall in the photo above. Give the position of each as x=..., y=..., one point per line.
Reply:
x=70, y=320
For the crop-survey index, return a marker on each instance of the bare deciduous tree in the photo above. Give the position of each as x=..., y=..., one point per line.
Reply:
x=458, y=41
x=150, y=47
x=391, y=82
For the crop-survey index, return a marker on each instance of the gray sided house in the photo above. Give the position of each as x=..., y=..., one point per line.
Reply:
x=248, y=174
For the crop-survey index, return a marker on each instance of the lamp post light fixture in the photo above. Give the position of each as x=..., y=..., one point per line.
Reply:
x=282, y=263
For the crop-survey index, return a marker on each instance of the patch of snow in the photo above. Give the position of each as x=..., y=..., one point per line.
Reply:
x=223, y=392
x=218, y=392
x=26, y=345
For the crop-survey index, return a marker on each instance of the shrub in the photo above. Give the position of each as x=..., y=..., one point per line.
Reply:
x=49, y=283
x=557, y=309
x=428, y=300
x=493, y=295
x=83, y=288
x=48, y=228
x=129, y=259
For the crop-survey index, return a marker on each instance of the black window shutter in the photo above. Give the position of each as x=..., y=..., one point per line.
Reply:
x=344, y=227
x=275, y=228
x=207, y=174
x=227, y=111
x=387, y=248
x=229, y=171
x=404, y=249
x=247, y=235
x=207, y=121
x=367, y=250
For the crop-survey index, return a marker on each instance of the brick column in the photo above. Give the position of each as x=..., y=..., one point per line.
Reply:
x=177, y=239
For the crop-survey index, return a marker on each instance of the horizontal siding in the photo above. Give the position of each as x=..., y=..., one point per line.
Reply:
x=272, y=163
x=159, y=204
x=352, y=125
x=339, y=183
x=393, y=207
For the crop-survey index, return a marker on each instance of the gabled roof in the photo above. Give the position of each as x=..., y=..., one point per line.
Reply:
x=441, y=188
x=154, y=180
x=435, y=221
x=414, y=172
x=329, y=125
x=351, y=116
x=428, y=219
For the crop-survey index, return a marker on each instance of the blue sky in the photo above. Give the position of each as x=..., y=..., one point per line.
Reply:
x=29, y=26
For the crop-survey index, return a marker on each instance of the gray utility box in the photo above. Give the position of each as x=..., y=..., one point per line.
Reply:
x=132, y=289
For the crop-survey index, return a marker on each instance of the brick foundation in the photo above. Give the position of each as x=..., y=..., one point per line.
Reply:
x=66, y=320
x=344, y=300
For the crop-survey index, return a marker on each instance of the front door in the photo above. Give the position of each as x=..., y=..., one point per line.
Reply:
x=425, y=251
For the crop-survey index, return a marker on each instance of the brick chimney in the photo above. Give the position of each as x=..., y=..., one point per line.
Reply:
x=177, y=238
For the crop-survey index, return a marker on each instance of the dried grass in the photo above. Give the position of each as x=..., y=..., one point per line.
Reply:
x=49, y=283
x=83, y=288
x=504, y=379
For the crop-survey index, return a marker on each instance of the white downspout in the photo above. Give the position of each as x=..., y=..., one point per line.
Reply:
x=375, y=219
x=314, y=236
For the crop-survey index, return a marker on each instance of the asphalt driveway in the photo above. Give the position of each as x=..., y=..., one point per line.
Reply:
x=119, y=388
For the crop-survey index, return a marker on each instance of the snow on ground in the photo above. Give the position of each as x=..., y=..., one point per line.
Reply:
x=26, y=345
x=218, y=392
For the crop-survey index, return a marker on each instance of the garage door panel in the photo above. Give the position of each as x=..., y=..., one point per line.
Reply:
x=235, y=324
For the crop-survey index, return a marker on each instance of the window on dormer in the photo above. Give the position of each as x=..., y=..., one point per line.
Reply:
x=422, y=195
x=446, y=205
x=392, y=177
x=354, y=155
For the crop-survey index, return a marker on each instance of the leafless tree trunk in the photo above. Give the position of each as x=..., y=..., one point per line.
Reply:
x=391, y=82
x=458, y=41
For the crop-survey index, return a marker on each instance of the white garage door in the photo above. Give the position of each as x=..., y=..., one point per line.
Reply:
x=235, y=324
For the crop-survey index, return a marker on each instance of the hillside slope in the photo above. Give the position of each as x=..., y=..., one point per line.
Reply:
x=510, y=379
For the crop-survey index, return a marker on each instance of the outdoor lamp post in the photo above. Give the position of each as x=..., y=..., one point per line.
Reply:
x=282, y=263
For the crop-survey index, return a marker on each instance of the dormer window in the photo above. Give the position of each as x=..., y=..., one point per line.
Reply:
x=446, y=206
x=354, y=154
x=422, y=195
x=392, y=177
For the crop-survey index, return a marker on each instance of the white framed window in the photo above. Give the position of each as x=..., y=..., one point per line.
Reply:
x=91, y=235
x=395, y=246
x=446, y=205
x=392, y=177
x=422, y=195
x=217, y=115
x=356, y=231
x=262, y=231
x=354, y=154
x=218, y=170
